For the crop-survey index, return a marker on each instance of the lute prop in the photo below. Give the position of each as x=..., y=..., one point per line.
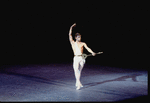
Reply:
x=84, y=56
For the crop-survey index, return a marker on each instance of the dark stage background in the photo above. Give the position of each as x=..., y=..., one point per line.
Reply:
x=36, y=32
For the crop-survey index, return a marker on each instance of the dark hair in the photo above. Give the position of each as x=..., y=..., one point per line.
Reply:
x=77, y=34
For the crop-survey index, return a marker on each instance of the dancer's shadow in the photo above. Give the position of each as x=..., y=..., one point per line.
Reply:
x=33, y=78
x=123, y=78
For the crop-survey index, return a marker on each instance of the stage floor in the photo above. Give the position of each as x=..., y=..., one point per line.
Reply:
x=56, y=82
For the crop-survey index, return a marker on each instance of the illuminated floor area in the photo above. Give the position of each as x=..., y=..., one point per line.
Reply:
x=56, y=82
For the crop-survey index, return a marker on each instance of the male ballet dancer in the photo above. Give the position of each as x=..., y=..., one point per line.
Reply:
x=78, y=61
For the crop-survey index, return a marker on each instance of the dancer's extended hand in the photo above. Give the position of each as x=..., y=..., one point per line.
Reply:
x=73, y=25
x=93, y=54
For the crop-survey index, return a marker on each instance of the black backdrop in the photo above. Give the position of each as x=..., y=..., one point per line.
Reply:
x=36, y=32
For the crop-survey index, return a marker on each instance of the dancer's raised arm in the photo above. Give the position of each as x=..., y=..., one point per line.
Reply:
x=70, y=33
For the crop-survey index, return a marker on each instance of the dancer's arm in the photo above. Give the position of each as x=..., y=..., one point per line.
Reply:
x=70, y=33
x=88, y=49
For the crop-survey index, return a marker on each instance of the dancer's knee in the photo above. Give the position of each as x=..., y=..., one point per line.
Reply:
x=75, y=66
x=81, y=66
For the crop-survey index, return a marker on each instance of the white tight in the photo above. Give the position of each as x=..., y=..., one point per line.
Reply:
x=78, y=64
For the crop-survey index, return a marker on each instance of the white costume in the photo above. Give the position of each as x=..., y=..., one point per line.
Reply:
x=78, y=63
x=78, y=57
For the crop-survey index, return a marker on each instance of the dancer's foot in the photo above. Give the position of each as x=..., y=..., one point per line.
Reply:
x=78, y=88
x=77, y=85
x=81, y=85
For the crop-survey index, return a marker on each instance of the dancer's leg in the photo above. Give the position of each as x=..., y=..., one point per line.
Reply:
x=76, y=70
x=80, y=69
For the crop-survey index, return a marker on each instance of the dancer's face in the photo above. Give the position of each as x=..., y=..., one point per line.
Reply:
x=78, y=38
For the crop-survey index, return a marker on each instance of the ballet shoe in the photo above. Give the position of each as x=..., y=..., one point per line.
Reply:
x=77, y=85
x=78, y=88
x=81, y=85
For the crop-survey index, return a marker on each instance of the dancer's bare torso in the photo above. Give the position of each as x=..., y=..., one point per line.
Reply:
x=78, y=49
x=80, y=46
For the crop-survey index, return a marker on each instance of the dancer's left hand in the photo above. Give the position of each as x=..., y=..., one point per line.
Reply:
x=93, y=54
